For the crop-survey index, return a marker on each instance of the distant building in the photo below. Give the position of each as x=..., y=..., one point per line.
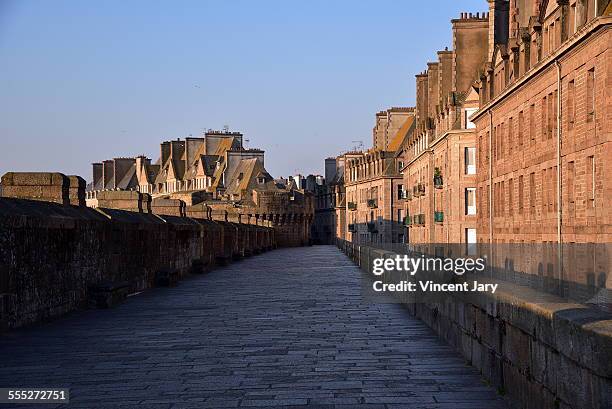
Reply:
x=387, y=125
x=219, y=172
x=544, y=145
x=439, y=168
x=374, y=190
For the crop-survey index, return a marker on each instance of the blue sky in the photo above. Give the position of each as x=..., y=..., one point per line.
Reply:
x=83, y=81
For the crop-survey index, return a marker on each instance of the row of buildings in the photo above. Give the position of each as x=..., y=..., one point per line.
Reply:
x=209, y=175
x=507, y=143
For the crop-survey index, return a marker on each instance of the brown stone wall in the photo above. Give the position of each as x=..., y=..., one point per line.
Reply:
x=449, y=157
x=524, y=144
x=384, y=214
x=290, y=214
x=419, y=172
x=553, y=354
x=48, y=187
x=51, y=255
x=470, y=39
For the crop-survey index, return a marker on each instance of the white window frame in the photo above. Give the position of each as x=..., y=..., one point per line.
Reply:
x=467, y=113
x=469, y=169
x=470, y=210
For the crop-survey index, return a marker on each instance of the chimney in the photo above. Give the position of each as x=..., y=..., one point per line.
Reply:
x=499, y=14
x=177, y=148
x=108, y=174
x=97, y=173
x=165, y=152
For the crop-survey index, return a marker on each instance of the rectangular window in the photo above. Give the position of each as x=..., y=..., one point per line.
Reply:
x=553, y=194
x=510, y=135
x=470, y=160
x=590, y=172
x=532, y=127
x=502, y=201
x=544, y=119
x=555, y=97
x=510, y=197
x=590, y=95
x=521, y=125
x=571, y=104
x=486, y=202
x=468, y=112
x=470, y=201
x=544, y=189
x=520, y=195
x=470, y=240
x=494, y=143
x=532, y=192
x=400, y=192
x=502, y=137
x=571, y=189
x=550, y=116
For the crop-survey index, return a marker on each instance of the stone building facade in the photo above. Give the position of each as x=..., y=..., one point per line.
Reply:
x=324, y=226
x=215, y=172
x=544, y=127
x=374, y=198
x=388, y=123
x=439, y=169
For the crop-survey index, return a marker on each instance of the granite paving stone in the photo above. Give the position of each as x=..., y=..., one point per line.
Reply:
x=285, y=329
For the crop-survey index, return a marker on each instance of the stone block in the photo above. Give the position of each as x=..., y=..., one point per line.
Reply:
x=542, y=363
x=516, y=344
x=168, y=207
x=118, y=195
x=585, y=335
x=108, y=294
x=76, y=191
x=33, y=179
x=487, y=329
x=46, y=193
x=167, y=277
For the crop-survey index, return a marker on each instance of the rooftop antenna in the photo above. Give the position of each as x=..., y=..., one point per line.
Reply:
x=358, y=145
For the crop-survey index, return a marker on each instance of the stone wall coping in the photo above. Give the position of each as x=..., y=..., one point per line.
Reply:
x=578, y=331
x=34, y=179
x=49, y=210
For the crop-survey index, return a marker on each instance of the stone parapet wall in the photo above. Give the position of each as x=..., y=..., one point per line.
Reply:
x=546, y=354
x=52, y=254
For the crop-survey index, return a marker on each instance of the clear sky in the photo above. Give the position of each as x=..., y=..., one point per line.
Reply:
x=83, y=81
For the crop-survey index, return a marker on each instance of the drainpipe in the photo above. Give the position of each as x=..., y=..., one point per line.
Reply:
x=559, y=173
x=491, y=255
x=491, y=178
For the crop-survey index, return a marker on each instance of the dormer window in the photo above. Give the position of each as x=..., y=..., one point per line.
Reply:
x=261, y=180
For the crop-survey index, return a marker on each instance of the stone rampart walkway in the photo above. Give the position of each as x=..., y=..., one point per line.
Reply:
x=288, y=328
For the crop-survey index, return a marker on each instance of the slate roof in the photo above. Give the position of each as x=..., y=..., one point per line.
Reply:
x=246, y=175
x=401, y=134
x=129, y=179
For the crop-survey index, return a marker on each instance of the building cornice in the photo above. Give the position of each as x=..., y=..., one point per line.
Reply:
x=373, y=179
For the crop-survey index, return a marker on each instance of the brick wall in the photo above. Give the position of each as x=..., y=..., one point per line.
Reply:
x=524, y=151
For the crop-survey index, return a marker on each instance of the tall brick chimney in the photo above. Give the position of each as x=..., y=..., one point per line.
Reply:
x=177, y=148
x=421, y=100
x=164, y=152
x=499, y=15
x=97, y=173
x=108, y=174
